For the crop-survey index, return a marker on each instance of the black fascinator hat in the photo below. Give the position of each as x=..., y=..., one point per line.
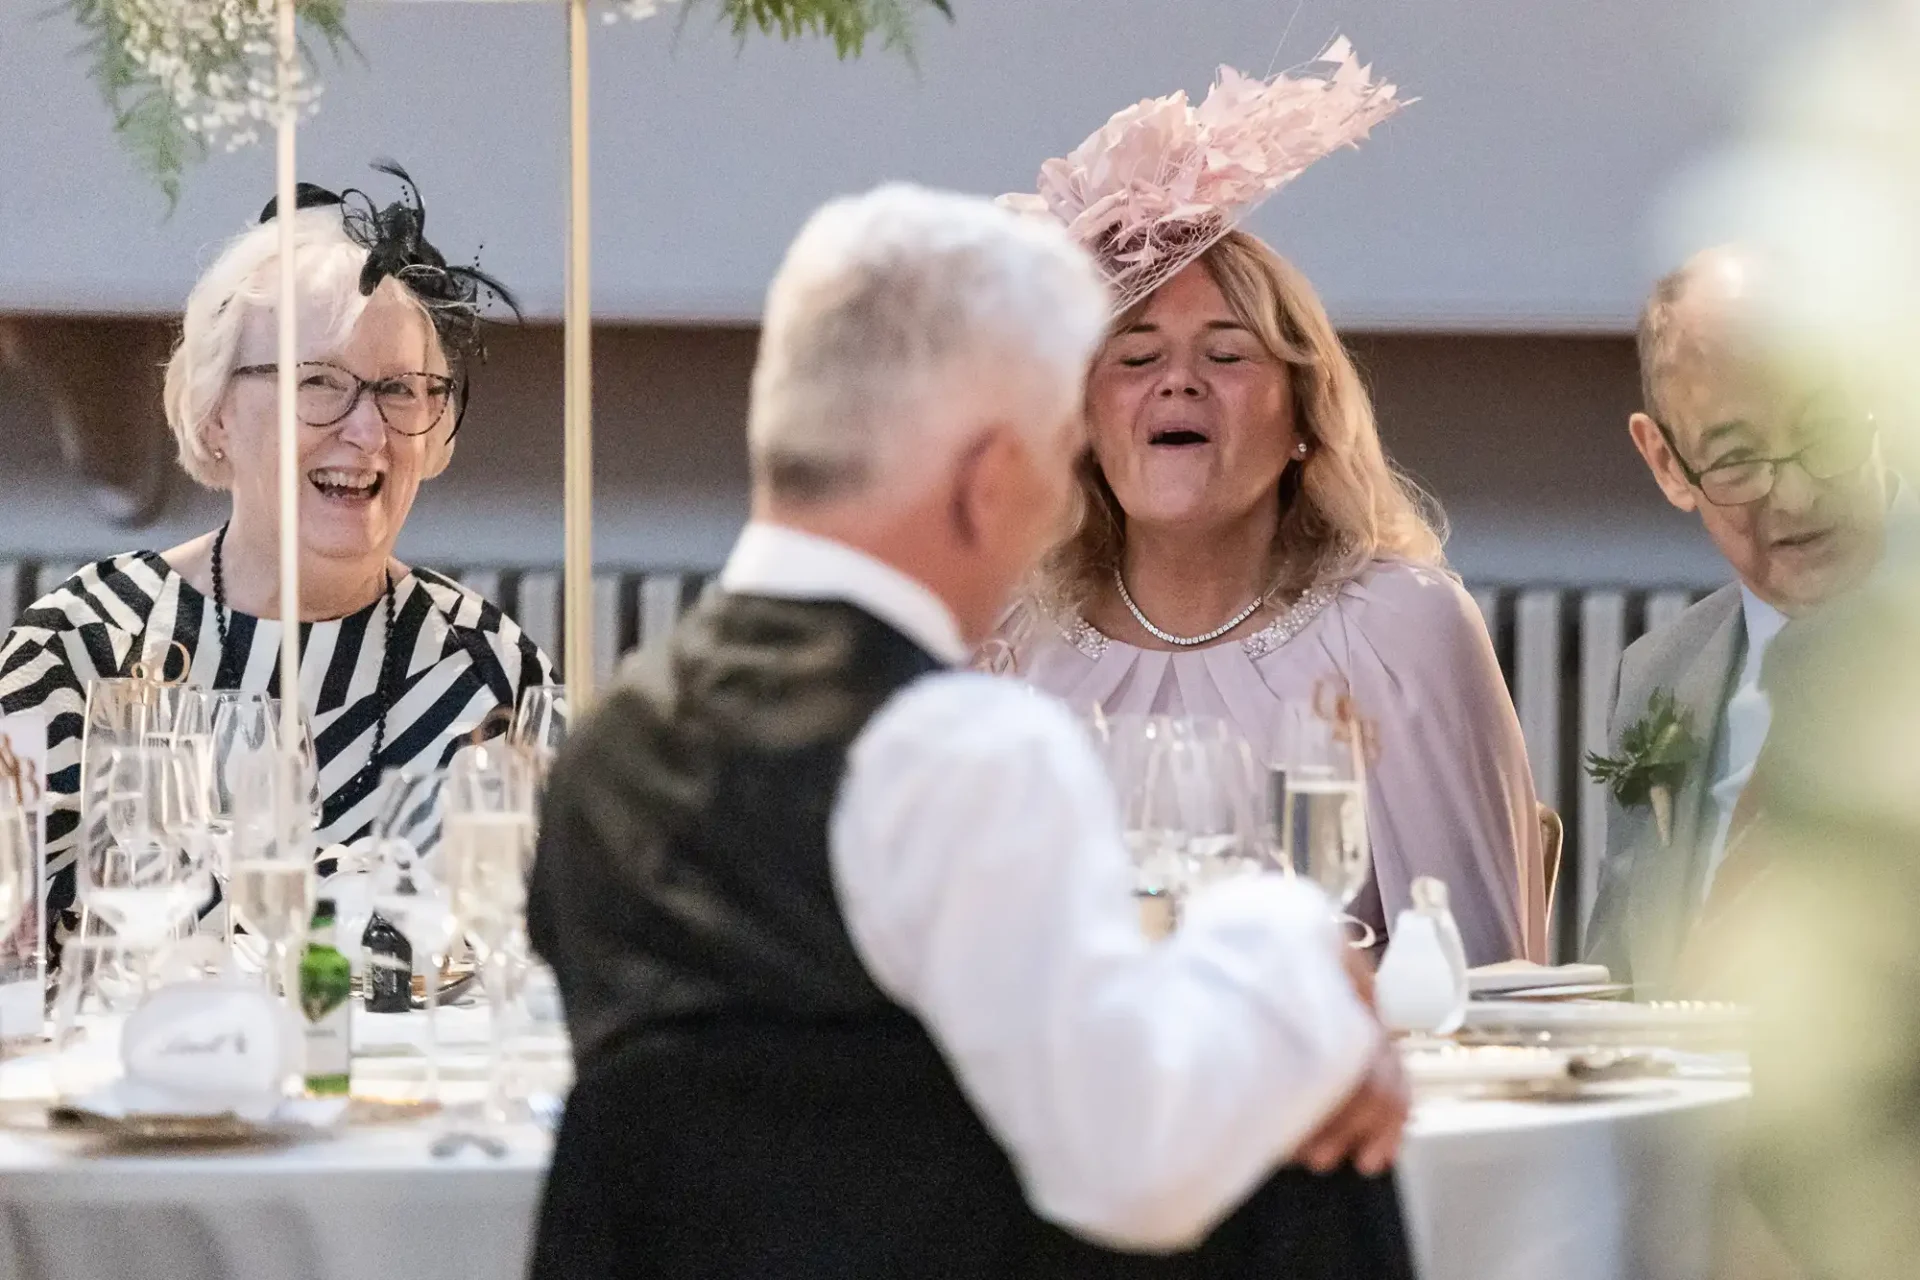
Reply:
x=455, y=297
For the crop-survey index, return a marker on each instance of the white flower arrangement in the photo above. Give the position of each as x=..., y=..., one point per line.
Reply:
x=184, y=77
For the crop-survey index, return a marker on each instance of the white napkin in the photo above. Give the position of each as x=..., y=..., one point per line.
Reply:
x=1524, y=975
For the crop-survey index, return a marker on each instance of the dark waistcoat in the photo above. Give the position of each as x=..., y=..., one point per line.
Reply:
x=748, y=1105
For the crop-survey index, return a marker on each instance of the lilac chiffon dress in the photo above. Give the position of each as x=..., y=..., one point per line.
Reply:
x=1450, y=791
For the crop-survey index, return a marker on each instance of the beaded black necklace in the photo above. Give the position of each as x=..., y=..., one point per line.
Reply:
x=386, y=656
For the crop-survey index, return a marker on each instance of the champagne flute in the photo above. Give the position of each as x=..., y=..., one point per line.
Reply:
x=539, y=729
x=406, y=891
x=240, y=779
x=1319, y=810
x=486, y=840
x=271, y=873
x=307, y=765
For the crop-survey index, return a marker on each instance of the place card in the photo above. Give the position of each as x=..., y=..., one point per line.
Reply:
x=199, y=1048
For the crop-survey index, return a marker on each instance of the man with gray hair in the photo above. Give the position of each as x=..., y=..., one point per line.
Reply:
x=1782, y=464
x=846, y=937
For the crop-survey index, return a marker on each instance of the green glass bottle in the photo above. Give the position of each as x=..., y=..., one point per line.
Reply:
x=326, y=990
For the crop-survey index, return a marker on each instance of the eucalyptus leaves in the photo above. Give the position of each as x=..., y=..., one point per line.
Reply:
x=186, y=77
x=1655, y=753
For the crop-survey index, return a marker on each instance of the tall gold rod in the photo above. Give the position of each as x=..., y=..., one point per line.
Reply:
x=287, y=49
x=579, y=381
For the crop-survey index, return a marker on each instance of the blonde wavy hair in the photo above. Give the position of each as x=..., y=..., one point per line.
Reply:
x=1341, y=508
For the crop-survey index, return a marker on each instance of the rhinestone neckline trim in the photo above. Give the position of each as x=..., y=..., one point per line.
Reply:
x=1290, y=622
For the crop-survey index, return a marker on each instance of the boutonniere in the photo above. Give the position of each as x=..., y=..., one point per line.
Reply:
x=1655, y=753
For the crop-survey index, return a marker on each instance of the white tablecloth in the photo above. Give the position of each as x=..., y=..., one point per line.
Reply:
x=1621, y=1189
x=1613, y=1190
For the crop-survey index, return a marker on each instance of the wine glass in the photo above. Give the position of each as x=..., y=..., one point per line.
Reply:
x=486, y=844
x=540, y=723
x=407, y=892
x=1136, y=751
x=143, y=882
x=118, y=713
x=1219, y=797
x=1319, y=808
x=20, y=801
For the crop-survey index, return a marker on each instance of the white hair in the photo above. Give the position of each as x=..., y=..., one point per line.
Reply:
x=246, y=277
x=902, y=319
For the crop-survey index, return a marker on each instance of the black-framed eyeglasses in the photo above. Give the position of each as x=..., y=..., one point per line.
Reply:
x=1833, y=453
x=411, y=404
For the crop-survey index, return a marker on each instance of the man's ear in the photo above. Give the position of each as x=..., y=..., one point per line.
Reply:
x=979, y=476
x=1660, y=459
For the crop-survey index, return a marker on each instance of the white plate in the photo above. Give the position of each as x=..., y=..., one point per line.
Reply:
x=1590, y=991
x=1614, y=1023
x=1457, y=1066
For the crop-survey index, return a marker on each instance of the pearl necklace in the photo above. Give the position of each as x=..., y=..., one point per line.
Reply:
x=1185, y=642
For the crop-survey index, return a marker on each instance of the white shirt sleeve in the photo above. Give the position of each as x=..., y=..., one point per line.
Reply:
x=1142, y=1091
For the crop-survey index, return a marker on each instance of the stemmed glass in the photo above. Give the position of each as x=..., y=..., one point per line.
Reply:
x=1217, y=789
x=1133, y=748
x=144, y=881
x=540, y=724
x=486, y=846
x=407, y=892
x=1190, y=793
x=19, y=854
x=271, y=868
x=1319, y=808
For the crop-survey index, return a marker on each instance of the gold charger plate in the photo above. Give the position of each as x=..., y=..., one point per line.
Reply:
x=152, y=1129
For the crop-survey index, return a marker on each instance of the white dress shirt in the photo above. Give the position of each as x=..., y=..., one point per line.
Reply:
x=1749, y=715
x=1141, y=1090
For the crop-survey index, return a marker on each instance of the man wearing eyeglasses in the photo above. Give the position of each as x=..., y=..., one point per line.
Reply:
x=1785, y=472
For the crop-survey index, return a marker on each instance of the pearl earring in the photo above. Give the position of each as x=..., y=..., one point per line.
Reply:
x=1300, y=450
x=220, y=455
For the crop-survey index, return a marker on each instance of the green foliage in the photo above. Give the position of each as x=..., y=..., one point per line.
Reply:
x=1655, y=751
x=847, y=23
x=156, y=128
x=145, y=114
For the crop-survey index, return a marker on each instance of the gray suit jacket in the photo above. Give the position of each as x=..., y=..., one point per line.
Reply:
x=1649, y=889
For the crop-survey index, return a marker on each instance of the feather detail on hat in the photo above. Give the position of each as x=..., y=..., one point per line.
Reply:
x=1162, y=181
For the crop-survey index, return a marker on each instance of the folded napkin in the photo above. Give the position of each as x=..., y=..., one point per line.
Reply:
x=1524, y=975
x=205, y=1048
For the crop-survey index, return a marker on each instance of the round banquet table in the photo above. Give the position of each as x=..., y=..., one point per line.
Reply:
x=1588, y=1190
x=1621, y=1187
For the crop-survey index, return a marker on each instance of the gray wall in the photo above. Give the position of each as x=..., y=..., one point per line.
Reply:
x=1522, y=193
x=1522, y=438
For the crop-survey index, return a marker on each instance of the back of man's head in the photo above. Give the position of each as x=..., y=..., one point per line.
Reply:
x=903, y=320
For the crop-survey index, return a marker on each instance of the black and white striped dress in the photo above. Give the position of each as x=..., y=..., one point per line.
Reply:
x=463, y=658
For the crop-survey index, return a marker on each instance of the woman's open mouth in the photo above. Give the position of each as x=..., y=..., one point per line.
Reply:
x=342, y=485
x=1176, y=437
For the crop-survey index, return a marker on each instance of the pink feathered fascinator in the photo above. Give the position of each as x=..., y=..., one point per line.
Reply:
x=1163, y=181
